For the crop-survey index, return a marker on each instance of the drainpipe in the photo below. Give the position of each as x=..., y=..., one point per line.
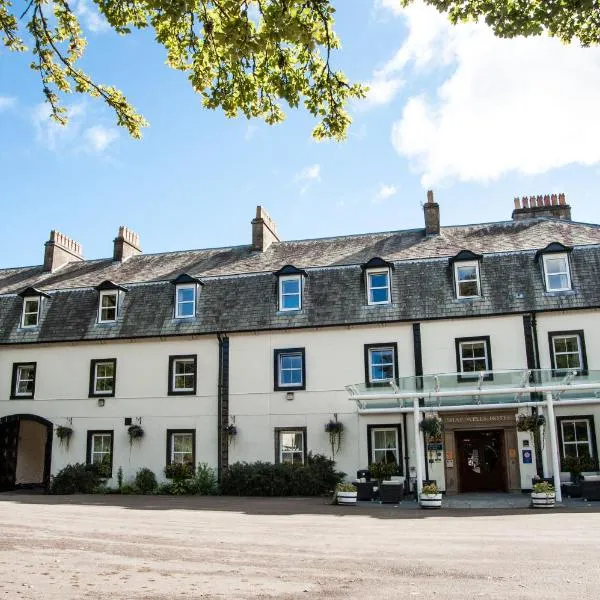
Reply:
x=222, y=404
x=418, y=451
x=540, y=455
x=405, y=450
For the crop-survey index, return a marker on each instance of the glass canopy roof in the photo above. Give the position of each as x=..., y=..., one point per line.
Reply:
x=483, y=388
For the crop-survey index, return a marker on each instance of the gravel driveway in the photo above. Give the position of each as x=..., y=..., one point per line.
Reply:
x=115, y=547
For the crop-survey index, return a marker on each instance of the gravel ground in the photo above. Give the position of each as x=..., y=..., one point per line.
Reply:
x=102, y=547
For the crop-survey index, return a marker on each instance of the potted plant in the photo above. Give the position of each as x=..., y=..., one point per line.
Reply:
x=135, y=433
x=335, y=429
x=64, y=433
x=577, y=465
x=431, y=426
x=345, y=493
x=382, y=471
x=543, y=495
x=430, y=497
x=530, y=422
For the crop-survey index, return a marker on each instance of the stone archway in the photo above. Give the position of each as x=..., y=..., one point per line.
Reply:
x=25, y=451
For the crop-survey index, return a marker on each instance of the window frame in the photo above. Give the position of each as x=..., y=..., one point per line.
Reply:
x=397, y=428
x=27, y=299
x=551, y=256
x=278, y=450
x=582, y=352
x=90, y=446
x=471, y=375
x=379, y=271
x=277, y=355
x=172, y=390
x=104, y=294
x=591, y=428
x=14, y=395
x=179, y=288
x=170, y=445
x=368, y=348
x=291, y=277
x=93, y=366
x=457, y=282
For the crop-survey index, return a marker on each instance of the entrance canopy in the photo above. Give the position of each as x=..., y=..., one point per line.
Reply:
x=450, y=391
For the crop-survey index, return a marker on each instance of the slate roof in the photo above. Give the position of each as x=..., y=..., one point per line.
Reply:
x=240, y=291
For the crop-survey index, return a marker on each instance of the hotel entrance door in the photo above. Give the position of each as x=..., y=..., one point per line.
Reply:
x=481, y=461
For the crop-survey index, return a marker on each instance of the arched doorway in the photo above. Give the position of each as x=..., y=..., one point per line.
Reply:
x=25, y=452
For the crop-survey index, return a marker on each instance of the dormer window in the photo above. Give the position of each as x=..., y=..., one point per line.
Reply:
x=555, y=266
x=466, y=274
x=32, y=307
x=290, y=284
x=186, y=294
x=108, y=302
x=378, y=281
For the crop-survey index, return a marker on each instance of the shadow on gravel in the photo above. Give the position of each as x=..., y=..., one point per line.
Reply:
x=279, y=506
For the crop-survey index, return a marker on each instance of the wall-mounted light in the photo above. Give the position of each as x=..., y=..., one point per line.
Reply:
x=100, y=401
x=289, y=395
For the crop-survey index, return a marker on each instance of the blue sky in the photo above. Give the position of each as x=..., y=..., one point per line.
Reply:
x=477, y=119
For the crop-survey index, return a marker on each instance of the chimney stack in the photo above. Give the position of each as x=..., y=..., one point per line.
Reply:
x=126, y=244
x=550, y=205
x=264, y=232
x=60, y=250
x=432, y=215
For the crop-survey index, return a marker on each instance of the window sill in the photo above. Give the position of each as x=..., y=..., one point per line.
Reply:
x=291, y=311
x=102, y=395
x=289, y=388
x=468, y=300
x=21, y=397
x=178, y=393
x=560, y=293
x=382, y=305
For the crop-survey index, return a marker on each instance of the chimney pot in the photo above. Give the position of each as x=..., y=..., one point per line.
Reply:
x=542, y=206
x=264, y=232
x=561, y=199
x=517, y=203
x=525, y=202
x=554, y=200
x=126, y=244
x=60, y=250
x=432, y=215
x=430, y=197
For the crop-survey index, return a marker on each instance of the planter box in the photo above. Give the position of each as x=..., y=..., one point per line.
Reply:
x=431, y=500
x=346, y=498
x=542, y=500
x=391, y=492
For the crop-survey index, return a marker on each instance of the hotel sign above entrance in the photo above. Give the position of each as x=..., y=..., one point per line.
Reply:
x=479, y=419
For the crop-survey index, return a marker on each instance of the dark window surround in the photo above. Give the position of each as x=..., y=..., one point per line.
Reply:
x=279, y=430
x=88, y=452
x=171, y=391
x=288, y=388
x=589, y=418
x=13, y=385
x=578, y=332
x=93, y=363
x=368, y=347
x=477, y=338
x=398, y=427
x=170, y=433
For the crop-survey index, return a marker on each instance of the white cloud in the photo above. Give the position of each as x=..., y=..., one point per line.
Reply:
x=384, y=192
x=526, y=105
x=7, y=102
x=99, y=138
x=91, y=18
x=307, y=176
x=381, y=91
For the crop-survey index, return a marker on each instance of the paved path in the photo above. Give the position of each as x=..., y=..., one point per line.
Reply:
x=101, y=547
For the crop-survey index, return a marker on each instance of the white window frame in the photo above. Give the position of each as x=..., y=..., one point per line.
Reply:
x=553, y=256
x=457, y=282
x=374, y=448
x=393, y=363
x=175, y=375
x=19, y=379
x=100, y=453
x=579, y=352
x=174, y=453
x=282, y=280
x=98, y=392
x=38, y=301
x=293, y=453
x=101, y=308
x=179, y=288
x=280, y=369
x=576, y=442
x=462, y=359
x=369, y=273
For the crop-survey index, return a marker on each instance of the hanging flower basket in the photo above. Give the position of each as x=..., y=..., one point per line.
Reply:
x=335, y=429
x=431, y=426
x=64, y=433
x=135, y=433
x=230, y=430
x=530, y=422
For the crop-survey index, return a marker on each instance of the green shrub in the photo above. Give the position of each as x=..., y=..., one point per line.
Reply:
x=204, y=481
x=76, y=479
x=145, y=481
x=179, y=471
x=128, y=489
x=315, y=478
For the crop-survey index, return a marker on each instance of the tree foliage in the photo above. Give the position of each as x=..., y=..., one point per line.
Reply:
x=564, y=19
x=243, y=56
